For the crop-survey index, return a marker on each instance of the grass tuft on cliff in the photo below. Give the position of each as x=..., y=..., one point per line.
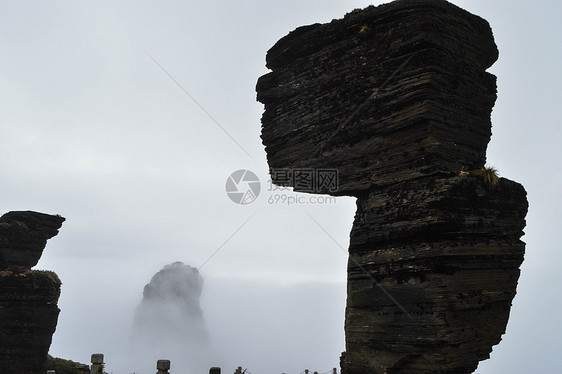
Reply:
x=489, y=175
x=51, y=274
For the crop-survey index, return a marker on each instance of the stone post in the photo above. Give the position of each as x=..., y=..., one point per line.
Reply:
x=215, y=370
x=163, y=366
x=97, y=363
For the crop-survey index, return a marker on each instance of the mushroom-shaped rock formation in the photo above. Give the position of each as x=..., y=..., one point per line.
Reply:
x=395, y=101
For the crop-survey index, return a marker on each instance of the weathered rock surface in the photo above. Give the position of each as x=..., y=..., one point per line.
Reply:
x=397, y=99
x=433, y=269
x=23, y=236
x=28, y=298
x=408, y=97
x=28, y=319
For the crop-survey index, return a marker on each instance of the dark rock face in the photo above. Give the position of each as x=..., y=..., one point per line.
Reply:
x=408, y=97
x=28, y=299
x=28, y=319
x=23, y=236
x=397, y=99
x=433, y=269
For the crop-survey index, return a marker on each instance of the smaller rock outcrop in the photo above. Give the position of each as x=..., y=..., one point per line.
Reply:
x=23, y=236
x=28, y=298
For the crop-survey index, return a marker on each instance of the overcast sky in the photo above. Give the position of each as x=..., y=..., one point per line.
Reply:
x=127, y=117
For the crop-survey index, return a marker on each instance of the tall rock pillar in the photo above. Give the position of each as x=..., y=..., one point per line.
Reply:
x=396, y=100
x=28, y=298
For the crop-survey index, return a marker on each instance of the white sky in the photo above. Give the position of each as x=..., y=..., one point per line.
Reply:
x=93, y=129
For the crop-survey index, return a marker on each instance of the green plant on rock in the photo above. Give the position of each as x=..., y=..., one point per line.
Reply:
x=364, y=30
x=51, y=274
x=488, y=174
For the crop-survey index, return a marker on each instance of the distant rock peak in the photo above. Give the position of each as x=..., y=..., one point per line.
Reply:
x=171, y=307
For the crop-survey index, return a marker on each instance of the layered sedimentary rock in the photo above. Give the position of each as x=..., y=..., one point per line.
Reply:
x=28, y=298
x=433, y=269
x=23, y=236
x=28, y=318
x=386, y=94
x=397, y=101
